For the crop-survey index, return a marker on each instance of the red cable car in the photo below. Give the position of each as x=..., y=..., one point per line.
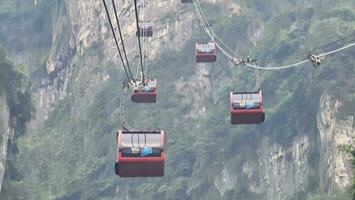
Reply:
x=206, y=53
x=145, y=29
x=247, y=107
x=146, y=94
x=140, y=153
x=186, y=1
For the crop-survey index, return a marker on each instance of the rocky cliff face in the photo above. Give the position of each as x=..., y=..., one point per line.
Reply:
x=4, y=136
x=333, y=134
x=276, y=171
x=81, y=24
x=280, y=172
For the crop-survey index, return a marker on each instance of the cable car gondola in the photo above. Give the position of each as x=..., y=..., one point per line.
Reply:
x=246, y=107
x=206, y=53
x=147, y=93
x=145, y=29
x=140, y=153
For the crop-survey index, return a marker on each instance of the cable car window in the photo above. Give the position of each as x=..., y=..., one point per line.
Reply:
x=140, y=140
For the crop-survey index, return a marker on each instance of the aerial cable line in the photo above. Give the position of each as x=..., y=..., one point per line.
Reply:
x=323, y=47
x=279, y=67
x=213, y=36
x=145, y=45
x=208, y=31
x=337, y=50
x=234, y=57
x=138, y=74
x=121, y=111
x=121, y=37
x=114, y=36
x=139, y=40
x=207, y=26
x=257, y=80
x=301, y=62
x=210, y=34
x=337, y=46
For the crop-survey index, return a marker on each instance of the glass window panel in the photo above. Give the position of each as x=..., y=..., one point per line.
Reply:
x=140, y=140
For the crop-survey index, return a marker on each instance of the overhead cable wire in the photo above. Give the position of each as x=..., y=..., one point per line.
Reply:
x=139, y=40
x=114, y=36
x=301, y=62
x=219, y=40
x=337, y=50
x=323, y=47
x=121, y=37
x=145, y=43
x=257, y=80
x=211, y=34
x=122, y=112
x=214, y=36
x=334, y=47
x=279, y=67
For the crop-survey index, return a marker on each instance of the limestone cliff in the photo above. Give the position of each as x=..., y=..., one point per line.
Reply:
x=4, y=136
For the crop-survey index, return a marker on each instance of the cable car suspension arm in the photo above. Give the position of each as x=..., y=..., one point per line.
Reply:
x=121, y=37
x=139, y=40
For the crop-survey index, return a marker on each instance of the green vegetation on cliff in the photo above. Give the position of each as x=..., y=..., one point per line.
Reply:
x=13, y=87
x=352, y=188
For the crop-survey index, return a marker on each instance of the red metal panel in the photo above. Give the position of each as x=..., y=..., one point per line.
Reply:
x=206, y=58
x=119, y=141
x=141, y=166
x=144, y=97
x=140, y=159
x=246, y=116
